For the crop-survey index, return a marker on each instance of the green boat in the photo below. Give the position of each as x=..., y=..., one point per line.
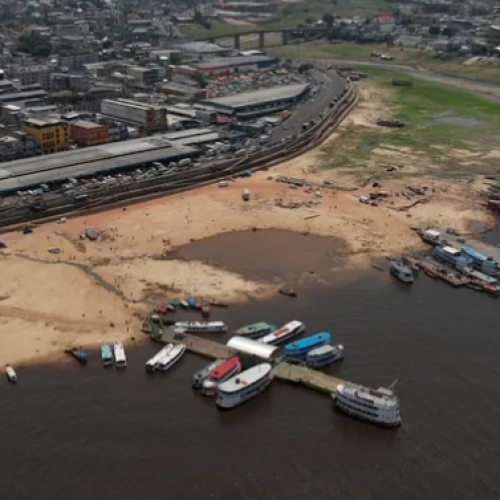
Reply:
x=106, y=354
x=175, y=303
x=255, y=330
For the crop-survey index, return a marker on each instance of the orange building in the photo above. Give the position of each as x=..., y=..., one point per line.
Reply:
x=88, y=133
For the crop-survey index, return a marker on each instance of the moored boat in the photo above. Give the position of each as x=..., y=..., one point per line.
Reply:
x=402, y=272
x=152, y=364
x=379, y=406
x=79, y=354
x=298, y=349
x=202, y=374
x=255, y=330
x=205, y=310
x=11, y=374
x=119, y=353
x=171, y=357
x=245, y=386
x=200, y=327
x=184, y=304
x=219, y=374
x=192, y=303
x=218, y=303
x=324, y=355
x=106, y=354
x=286, y=332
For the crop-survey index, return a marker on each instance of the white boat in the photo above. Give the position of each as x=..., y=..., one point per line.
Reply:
x=152, y=364
x=286, y=332
x=245, y=386
x=379, y=406
x=171, y=357
x=324, y=355
x=200, y=327
x=11, y=374
x=119, y=353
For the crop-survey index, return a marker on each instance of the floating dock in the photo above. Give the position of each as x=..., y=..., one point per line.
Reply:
x=283, y=371
x=437, y=270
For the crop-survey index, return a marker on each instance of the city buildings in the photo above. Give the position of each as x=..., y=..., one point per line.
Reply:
x=51, y=134
x=85, y=133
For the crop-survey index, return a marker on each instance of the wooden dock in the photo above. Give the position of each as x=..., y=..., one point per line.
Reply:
x=313, y=379
x=282, y=370
x=436, y=270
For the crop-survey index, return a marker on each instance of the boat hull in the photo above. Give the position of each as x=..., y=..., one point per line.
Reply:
x=365, y=418
x=320, y=363
x=234, y=400
x=166, y=365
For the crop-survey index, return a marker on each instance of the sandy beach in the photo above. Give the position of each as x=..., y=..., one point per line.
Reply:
x=98, y=290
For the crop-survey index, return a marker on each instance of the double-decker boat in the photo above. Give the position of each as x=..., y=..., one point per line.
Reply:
x=297, y=350
x=220, y=374
x=255, y=330
x=286, y=332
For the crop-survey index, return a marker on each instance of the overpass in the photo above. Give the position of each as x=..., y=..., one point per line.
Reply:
x=286, y=33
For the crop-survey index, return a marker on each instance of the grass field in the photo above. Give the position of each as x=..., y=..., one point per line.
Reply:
x=449, y=132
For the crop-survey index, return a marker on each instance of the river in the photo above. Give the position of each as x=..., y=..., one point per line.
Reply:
x=80, y=433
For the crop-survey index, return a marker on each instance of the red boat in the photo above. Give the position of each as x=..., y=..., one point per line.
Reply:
x=220, y=374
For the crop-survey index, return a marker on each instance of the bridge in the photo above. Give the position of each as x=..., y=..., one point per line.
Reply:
x=286, y=33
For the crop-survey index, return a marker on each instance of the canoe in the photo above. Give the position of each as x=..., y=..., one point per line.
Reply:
x=11, y=374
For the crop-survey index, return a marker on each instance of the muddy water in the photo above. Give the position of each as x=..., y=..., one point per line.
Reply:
x=80, y=433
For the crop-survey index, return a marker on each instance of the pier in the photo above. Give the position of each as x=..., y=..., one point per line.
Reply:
x=282, y=370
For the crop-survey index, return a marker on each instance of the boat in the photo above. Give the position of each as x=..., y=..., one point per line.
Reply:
x=255, y=330
x=324, y=355
x=171, y=357
x=401, y=272
x=219, y=375
x=218, y=303
x=205, y=310
x=492, y=289
x=202, y=374
x=152, y=364
x=379, y=406
x=245, y=386
x=289, y=292
x=200, y=327
x=184, y=304
x=451, y=256
x=106, y=354
x=483, y=263
x=79, y=354
x=298, y=350
x=286, y=332
x=119, y=353
x=191, y=303
x=11, y=374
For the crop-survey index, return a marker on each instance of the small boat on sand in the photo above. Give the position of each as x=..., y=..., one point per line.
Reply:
x=171, y=357
x=184, y=304
x=255, y=330
x=11, y=374
x=120, y=358
x=152, y=364
x=106, y=354
x=200, y=376
x=79, y=354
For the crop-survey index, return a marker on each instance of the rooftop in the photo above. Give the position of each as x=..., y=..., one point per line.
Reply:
x=257, y=96
x=85, y=124
x=249, y=346
x=232, y=61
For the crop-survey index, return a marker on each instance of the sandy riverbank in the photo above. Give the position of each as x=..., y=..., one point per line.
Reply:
x=47, y=306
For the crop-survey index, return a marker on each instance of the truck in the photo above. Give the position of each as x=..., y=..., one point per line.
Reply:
x=245, y=194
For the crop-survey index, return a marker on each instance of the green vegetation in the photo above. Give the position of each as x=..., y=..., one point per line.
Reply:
x=449, y=132
x=35, y=44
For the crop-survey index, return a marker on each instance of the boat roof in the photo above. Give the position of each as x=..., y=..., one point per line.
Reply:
x=160, y=354
x=203, y=372
x=222, y=370
x=252, y=347
x=380, y=397
x=284, y=330
x=245, y=378
x=452, y=250
x=200, y=323
x=324, y=349
x=477, y=255
x=254, y=326
x=432, y=232
x=308, y=342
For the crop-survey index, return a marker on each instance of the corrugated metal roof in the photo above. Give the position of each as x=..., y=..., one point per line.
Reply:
x=249, y=346
x=233, y=61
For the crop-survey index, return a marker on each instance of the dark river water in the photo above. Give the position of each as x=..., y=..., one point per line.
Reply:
x=80, y=433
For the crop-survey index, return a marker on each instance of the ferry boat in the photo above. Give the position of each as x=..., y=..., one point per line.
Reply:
x=451, y=256
x=152, y=364
x=324, y=355
x=298, y=350
x=202, y=374
x=11, y=374
x=483, y=263
x=286, y=332
x=219, y=375
x=255, y=330
x=200, y=327
x=106, y=354
x=119, y=352
x=171, y=357
x=401, y=272
x=244, y=386
x=379, y=406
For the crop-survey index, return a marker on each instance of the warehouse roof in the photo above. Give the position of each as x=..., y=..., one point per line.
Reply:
x=217, y=62
x=253, y=347
x=257, y=97
x=183, y=134
x=21, y=174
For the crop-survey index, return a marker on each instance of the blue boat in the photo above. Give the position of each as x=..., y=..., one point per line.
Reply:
x=452, y=257
x=298, y=350
x=481, y=262
x=191, y=302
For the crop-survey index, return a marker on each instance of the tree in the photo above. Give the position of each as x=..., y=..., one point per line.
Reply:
x=328, y=19
x=175, y=58
x=198, y=18
x=309, y=20
x=449, y=31
x=434, y=30
x=35, y=44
